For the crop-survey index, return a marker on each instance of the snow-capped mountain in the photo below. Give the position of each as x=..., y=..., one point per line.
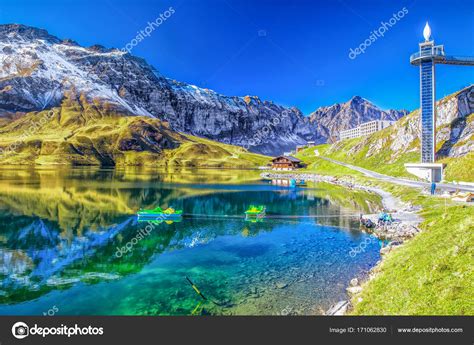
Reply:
x=37, y=69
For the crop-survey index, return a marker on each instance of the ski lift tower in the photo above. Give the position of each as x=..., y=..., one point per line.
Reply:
x=427, y=58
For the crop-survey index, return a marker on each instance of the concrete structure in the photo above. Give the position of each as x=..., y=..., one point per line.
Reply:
x=428, y=56
x=432, y=172
x=349, y=133
x=364, y=129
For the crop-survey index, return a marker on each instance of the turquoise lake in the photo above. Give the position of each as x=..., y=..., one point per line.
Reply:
x=61, y=230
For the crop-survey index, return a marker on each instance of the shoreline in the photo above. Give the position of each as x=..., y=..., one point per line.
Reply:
x=403, y=227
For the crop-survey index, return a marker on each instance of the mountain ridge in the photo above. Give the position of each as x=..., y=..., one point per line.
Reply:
x=38, y=69
x=357, y=110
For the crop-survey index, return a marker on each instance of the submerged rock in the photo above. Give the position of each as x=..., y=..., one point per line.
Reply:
x=354, y=289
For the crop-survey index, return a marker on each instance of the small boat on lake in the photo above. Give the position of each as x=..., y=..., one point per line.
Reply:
x=158, y=213
x=255, y=212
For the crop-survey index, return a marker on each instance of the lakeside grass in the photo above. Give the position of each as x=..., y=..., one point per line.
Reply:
x=201, y=152
x=431, y=274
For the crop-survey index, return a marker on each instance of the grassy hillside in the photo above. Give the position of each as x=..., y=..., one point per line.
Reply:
x=375, y=152
x=200, y=152
x=84, y=133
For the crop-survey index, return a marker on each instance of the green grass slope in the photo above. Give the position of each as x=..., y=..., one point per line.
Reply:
x=374, y=152
x=200, y=152
x=85, y=133
x=433, y=273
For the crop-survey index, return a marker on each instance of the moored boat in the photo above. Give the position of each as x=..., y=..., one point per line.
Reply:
x=254, y=212
x=158, y=213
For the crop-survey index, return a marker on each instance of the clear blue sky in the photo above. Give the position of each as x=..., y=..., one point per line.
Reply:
x=302, y=60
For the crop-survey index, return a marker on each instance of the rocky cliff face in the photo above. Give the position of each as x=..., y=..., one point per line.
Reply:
x=455, y=128
x=455, y=122
x=331, y=120
x=454, y=136
x=37, y=69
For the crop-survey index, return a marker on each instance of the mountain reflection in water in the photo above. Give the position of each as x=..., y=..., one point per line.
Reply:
x=61, y=230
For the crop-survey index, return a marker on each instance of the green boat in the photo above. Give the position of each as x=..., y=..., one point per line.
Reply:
x=255, y=212
x=158, y=212
x=155, y=220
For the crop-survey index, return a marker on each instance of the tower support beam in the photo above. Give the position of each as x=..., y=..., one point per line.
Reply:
x=427, y=57
x=428, y=106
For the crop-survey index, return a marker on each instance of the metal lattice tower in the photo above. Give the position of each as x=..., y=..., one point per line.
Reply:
x=428, y=56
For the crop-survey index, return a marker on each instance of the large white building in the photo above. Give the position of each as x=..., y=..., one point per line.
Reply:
x=365, y=129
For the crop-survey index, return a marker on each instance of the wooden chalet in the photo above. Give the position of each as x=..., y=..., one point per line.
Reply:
x=286, y=163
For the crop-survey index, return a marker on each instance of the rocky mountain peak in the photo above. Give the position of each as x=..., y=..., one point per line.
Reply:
x=359, y=102
x=98, y=48
x=69, y=42
x=333, y=119
x=24, y=32
x=356, y=99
